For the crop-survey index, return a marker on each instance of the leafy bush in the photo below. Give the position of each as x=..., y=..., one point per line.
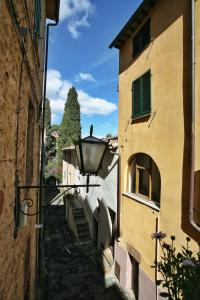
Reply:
x=180, y=270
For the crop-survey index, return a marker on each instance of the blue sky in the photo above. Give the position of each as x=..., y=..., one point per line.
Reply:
x=79, y=56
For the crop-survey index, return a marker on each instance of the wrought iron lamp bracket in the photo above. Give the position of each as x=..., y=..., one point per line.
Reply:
x=29, y=202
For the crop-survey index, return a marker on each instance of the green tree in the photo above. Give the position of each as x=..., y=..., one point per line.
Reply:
x=47, y=120
x=108, y=135
x=49, y=140
x=70, y=129
x=55, y=127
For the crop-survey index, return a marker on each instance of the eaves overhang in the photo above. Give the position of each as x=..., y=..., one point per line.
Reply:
x=133, y=23
x=52, y=9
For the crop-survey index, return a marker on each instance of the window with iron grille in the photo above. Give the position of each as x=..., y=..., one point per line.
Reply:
x=37, y=18
x=141, y=96
x=141, y=39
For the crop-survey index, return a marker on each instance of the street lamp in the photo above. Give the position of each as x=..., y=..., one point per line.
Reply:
x=90, y=152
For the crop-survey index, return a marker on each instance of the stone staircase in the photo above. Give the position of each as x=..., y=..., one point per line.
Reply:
x=82, y=226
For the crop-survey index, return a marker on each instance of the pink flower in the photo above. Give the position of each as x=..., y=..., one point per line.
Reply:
x=158, y=235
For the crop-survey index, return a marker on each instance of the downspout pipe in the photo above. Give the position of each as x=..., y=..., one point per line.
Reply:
x=43, y=112
x=39, y=246
x=191, y=204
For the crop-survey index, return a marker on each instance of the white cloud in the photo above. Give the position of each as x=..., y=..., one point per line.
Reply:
x=102, y=60
x=90, y=105
x=85, y=77
x=57, y=89
x=77, y=14
x=56, y=86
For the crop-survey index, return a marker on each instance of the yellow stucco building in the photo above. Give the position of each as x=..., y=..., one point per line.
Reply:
x=159, y=135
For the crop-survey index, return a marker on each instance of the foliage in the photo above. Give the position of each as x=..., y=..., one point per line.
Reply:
x=47, y=120
x=70, y=129
x=50, y=142
x=108, y=135
x=55, y=127
x=52, y=168
x=180, y=271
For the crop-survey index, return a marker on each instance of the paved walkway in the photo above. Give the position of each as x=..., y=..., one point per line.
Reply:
x=71, y=271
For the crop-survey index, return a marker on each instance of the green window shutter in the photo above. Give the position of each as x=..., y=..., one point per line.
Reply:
x=141, y=96
x=142, y=38
x=145, y=34
x=136, y=45
x=37, y=18
x=136, y=94
x=146, y=98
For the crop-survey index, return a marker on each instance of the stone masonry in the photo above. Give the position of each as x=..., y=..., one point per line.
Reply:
x=21, y=76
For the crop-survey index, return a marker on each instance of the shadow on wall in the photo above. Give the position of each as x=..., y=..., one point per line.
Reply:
x=187, y=155
x=107, y=162
x=51, y=192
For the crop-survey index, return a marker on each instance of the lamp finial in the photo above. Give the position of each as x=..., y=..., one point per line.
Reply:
x=91, y=130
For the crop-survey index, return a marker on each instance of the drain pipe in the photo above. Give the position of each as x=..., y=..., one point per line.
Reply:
x=43, y=116
x=42, y=142
x=191, y=206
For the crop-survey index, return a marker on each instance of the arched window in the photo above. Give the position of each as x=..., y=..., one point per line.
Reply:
x=145, y=178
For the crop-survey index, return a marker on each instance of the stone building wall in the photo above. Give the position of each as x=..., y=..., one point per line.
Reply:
x=20, y=99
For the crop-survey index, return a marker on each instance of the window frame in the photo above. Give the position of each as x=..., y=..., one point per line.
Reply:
x=137, y=183
x=134, y=177
x=138, y=41
x=143, y=112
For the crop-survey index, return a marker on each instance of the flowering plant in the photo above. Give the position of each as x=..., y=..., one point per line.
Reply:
x=180, y=271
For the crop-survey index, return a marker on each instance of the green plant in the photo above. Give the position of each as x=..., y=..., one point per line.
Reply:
x=70, y=128
x=180, y=270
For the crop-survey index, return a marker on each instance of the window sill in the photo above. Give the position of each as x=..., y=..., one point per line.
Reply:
x=135, y=119
x=143, y=201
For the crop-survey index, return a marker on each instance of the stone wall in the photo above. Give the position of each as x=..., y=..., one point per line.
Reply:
x=20, y=88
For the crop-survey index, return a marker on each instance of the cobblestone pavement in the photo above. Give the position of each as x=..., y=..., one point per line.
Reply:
x=71, y=272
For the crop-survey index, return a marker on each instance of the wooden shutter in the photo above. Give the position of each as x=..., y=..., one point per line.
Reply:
x=146, y=93
x=136, y=44
x=141, y=39
x=141, y=96
x=136, y=95
x=145, y=34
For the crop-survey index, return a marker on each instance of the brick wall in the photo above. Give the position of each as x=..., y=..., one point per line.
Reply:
x=20, y=85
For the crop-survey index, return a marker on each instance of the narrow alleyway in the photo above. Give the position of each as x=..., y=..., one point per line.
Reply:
x=71, y=272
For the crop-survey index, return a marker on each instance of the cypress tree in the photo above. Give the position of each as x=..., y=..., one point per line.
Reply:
x=70, y=129
x=47, y=121
x=49, y=140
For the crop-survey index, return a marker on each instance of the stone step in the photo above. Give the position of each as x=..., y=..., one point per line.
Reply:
x=77, y=209
x=83, y=226
x=84, y=239
x=83, y=236
x=80, y=221
x=81, y=233
x=78, y=213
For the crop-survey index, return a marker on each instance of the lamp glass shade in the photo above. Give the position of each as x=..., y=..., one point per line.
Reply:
x=78, y=154
x=90, y=152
